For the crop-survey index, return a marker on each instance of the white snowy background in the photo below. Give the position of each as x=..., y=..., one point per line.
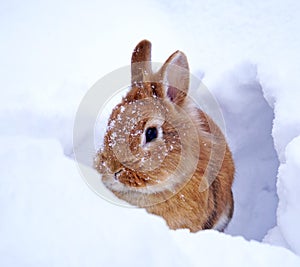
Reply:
x=52, y=52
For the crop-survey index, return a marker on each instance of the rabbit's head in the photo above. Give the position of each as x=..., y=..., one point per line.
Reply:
x=152, y=139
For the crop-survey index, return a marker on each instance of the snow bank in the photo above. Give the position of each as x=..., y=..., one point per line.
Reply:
x=43, y=224
x=52, y=52
x=288, y=191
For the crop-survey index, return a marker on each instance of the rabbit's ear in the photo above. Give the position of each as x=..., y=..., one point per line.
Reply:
x=141, y=62
x=176, y=77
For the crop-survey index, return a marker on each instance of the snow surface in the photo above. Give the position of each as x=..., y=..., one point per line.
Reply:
x=51, y=54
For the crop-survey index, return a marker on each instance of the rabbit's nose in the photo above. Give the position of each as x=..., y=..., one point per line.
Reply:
x=99, y=163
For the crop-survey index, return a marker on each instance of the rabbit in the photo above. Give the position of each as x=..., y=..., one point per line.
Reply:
x=159, y=149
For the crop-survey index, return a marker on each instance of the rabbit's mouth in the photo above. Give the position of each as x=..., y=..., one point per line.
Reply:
x=117, y=174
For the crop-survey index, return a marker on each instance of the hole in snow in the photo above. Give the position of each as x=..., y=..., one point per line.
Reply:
x=248, y=119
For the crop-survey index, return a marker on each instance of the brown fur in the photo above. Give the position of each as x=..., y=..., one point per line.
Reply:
x=181, y=203
x=196, y=210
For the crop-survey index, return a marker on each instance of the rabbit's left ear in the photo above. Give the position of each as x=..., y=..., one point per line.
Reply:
x=175, y=77
x=141, y=62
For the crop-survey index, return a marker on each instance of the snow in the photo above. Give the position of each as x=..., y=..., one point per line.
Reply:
x=68, y=225
x=52, y=52
x=288, y=186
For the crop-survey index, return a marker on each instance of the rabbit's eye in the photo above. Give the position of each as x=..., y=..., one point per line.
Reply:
x=151, y=134
x=154, y=90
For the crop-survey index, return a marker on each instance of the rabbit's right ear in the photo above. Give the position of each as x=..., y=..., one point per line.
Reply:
x=141, y=62
x=175, y=77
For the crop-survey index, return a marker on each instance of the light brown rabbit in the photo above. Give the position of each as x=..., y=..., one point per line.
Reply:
x=163, y=153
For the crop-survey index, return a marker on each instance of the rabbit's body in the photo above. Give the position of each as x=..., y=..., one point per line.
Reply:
x=159, y=149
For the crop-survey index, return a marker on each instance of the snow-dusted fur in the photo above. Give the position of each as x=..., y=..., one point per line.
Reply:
x=176, y=175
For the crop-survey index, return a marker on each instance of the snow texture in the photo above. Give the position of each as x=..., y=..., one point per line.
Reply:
x=51, y=54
